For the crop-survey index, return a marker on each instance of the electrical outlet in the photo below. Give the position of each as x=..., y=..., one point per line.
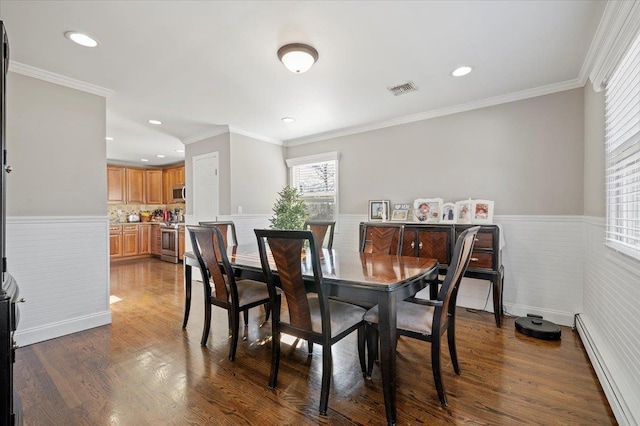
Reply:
x=239, y=209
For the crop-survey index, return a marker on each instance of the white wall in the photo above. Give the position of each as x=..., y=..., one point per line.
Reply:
x=57, y=235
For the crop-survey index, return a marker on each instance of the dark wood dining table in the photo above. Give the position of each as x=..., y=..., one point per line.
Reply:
x=363, y=277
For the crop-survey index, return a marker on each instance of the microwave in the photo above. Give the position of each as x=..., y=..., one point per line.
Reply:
x=178, y=194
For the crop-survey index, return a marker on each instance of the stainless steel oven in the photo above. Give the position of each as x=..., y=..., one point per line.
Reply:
x=169, y=238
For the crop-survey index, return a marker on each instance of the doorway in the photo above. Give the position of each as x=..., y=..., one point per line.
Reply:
x=206, y=180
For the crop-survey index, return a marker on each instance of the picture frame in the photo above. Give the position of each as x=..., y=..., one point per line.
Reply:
x=400, y=215
x=463, y=211
x=427, y=210
x=378, y=210
x=482, y=212
x=448, y=213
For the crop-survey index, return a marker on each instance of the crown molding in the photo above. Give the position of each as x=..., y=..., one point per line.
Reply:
x=619, y=26
x=62, y=80
x=218, y=130
x=483, y=103
x=254, y=136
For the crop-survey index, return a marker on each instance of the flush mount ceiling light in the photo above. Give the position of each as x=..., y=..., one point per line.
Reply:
x=297, y=57
x=81, y=39
x=179, y=150
x=288, y=120
x=156, y=122
x=160, y=155
x=144, y=160
x=109, y=138
x=461, y=71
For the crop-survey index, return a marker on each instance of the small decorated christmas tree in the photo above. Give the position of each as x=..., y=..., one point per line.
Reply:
x=289, y=211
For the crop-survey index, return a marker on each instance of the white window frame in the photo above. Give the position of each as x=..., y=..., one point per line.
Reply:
x=318, y=158
x=622, y=154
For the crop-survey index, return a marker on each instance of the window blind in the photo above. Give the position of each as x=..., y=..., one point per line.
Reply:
x=622, y=150
x=316, y=179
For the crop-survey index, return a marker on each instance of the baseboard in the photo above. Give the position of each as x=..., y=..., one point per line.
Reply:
x=53, y=330
x=616, y=399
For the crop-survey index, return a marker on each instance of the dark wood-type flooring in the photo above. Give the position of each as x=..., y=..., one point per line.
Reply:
x=143, y=369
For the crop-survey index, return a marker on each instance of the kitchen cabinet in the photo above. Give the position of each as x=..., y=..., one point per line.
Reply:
x=129, y=240
x=116, y=185
x=181, y=232
x=173, y=176
x=156, y=240
x=144, y=238
x=153, y=187
x=115, y=241
x=135, y=183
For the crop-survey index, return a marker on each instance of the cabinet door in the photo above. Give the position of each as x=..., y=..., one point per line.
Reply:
x=130, y=240
x=179, y=176
x=435, y=243
x=167, y=185
x=144, y=239
x=115, y=185
x=156, y=240
x=115, y=244
x=181, y=243
x=135, y=186
x=410, y=242
x=153, y=183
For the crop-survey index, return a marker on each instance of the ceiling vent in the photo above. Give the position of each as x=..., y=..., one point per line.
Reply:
x=401, y=89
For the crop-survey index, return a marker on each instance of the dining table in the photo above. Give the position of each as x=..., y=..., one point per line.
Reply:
x=364, y=278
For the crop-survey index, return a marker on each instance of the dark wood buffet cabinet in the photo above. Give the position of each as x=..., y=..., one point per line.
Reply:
x=437, y=241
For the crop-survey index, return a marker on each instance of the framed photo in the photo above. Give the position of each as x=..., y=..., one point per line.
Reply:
x=482, y=211
x=400, y=215
x=448, y=213
x=378, y=210
x=427, y=210
x=463, y=211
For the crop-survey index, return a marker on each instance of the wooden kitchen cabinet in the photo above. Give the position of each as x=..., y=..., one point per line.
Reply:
x=153, y=187
x=156, y=240
x=116, y=185
x=115, y=241
x=181, y=232
x=129, y=240
x=173, y=176
x=135, y=183
x=144, y=238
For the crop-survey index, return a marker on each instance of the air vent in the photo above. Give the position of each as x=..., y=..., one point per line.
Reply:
x=401, y=89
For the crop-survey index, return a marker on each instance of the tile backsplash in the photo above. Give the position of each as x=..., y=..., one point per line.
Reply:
x=127, y=209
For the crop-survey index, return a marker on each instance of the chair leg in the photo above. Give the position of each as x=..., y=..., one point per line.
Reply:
x=235, y=330
x=437, y=370
x=267, y=311
x=453, y=352
x=327, y=364
x=362, y=336
x=246, y=317
x=275, y=345
x=310, y=345
x=207, y=322
x=372, y=347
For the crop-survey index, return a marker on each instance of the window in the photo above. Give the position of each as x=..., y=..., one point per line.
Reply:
x=622, y=144
x=316, y=179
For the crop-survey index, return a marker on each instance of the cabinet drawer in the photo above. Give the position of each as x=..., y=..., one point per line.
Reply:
x=114, y=229
x=481, y=260
x=130, y=228
x=484, y=240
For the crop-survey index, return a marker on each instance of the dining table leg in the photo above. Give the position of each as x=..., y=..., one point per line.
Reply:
x=387, y=317
x=187, y=293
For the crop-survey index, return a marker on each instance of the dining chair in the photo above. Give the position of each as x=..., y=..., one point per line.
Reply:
x=310, y=316
x=220, y=285
x=382, y=238
x=320, y=229
x=428, y=320
x=224, y=227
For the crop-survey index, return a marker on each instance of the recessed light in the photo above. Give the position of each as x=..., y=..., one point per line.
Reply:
x=461, y=71
x=109, y=138
x=179, y=150
x=156, y=122
x=144, y=160
x=288, y=120
x=160, y=155
x=81, y=39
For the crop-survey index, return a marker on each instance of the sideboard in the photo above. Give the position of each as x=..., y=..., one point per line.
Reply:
x=437, y=241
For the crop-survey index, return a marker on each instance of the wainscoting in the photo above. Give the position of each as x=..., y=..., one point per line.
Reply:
x=62, y=267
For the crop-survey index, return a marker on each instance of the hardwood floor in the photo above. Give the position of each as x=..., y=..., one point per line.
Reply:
x=144, y=369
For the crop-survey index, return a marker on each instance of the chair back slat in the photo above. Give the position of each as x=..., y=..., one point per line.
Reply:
x=208, y=246
x=379, y=238
x=224, y=228
x=320, y=229
x=459, y=262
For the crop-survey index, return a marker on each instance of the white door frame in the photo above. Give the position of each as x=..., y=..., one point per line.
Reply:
x=194, y=195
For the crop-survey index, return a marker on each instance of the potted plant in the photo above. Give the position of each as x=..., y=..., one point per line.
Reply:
x=289, y=211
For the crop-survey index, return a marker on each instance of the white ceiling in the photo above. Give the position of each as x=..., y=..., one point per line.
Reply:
x=201, y=65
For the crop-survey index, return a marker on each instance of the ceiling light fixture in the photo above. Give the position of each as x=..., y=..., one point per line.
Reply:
x=288, y=120
x=156, y=122
x=160, y=155
x=297, y=57
x=461, y=71
x=81, y=39
x=144, y=160
x=109, y=138
x=179, y=150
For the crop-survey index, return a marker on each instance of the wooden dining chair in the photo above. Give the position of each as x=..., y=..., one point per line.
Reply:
x=310, y=316
x=320, y=229
x=428, y=320
x=220, y=285
x=382, y=238
x=225, y=227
